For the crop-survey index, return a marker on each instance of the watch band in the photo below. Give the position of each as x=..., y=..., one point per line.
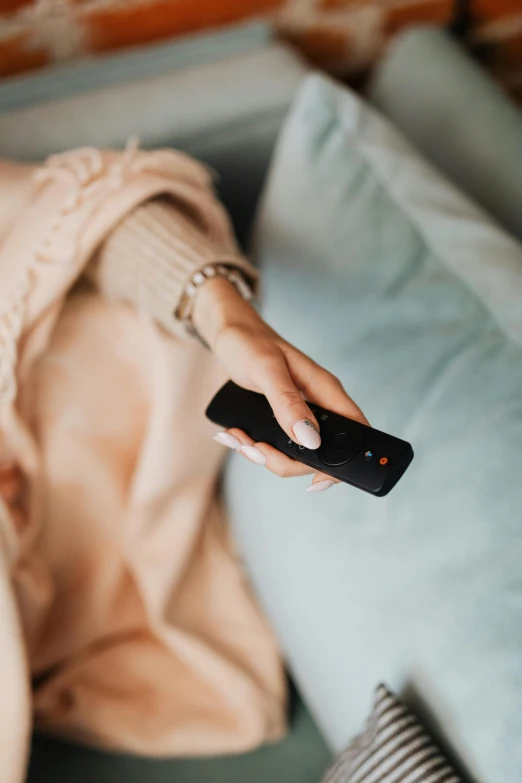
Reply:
x=229, y=272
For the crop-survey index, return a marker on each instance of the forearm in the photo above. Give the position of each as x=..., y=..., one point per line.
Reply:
x=149, y=258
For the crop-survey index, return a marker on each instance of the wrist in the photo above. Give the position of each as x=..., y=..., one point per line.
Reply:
x=218, y=305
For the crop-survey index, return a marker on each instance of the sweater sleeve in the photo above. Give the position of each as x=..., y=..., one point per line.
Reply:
x=148, y=259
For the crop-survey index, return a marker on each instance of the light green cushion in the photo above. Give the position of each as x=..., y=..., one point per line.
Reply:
x=457, y=116
x=393, y=280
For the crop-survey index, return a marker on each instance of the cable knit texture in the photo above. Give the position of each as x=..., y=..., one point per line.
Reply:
x=120, y=593
x=149, y=258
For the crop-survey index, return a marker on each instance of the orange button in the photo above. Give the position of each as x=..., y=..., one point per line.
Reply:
x=383, y=460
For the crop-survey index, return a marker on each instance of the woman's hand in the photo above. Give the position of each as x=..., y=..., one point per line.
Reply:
x=257, y=358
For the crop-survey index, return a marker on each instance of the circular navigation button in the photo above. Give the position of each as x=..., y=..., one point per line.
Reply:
x=340, y=447
x=341, y=442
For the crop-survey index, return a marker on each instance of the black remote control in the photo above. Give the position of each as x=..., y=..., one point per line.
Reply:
x=351, y=452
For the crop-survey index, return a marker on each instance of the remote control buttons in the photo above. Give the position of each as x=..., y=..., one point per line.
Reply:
x=301, y=448
x=341, y=441
x=369, y=455
x=340, y=447
x=289, y=443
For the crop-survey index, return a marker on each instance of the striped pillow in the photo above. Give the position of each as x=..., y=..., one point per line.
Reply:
x=394, y=748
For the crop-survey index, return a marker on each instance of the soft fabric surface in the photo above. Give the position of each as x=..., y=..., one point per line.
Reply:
x=119, y=587
x=65, y=80
x=180, y=103
x=458, y=117
x=389, y=277
x=393, y=748
x=226, y=111
x=301, y=757
x=150, y=257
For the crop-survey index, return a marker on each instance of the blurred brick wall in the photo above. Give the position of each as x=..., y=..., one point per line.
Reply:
x=343, y=36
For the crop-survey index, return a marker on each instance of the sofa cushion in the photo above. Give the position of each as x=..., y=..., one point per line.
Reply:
x=457, y=116
x=188, y=100
x=388, y=276
x=224, y=110
x=110, y=69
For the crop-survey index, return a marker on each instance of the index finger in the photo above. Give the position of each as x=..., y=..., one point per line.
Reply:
x=327, y=390
x=288, y=404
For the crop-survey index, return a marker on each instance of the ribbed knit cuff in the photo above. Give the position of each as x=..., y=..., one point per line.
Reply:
x=149, y=258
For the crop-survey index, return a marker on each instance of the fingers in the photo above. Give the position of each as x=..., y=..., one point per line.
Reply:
x=273, y=460
x=321, y=482
x=263, y=454
x=280, y=464
x=320, y=386
x=290, y=409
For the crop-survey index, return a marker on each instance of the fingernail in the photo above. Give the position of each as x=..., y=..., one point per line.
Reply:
x=306, y=434
x=254, y=454
x=228, y=440
x=320, y=486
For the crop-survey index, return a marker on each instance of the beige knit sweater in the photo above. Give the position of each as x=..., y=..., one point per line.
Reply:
x=151, y=255
x=125, y=619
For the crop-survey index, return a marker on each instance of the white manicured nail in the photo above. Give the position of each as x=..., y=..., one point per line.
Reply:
x=254, y=455
x=306, y=434
x=320, y=486
x=228, y=440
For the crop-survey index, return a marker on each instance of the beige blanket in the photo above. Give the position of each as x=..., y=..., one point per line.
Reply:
x=120, y=595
